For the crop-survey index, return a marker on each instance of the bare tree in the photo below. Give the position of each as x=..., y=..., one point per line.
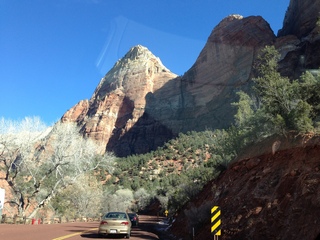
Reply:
x=40, y=166
x=18, y=137
x=142, y=198
x=83, y=198
x=121, y=200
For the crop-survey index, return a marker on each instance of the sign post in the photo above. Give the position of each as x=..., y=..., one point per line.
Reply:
x=216, y=221
x=2, y=193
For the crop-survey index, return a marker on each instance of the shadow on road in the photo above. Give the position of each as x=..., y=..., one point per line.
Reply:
x=97, y=236
x=136, y=233
x=90, y=235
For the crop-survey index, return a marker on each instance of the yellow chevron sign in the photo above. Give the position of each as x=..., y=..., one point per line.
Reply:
x=216, y=221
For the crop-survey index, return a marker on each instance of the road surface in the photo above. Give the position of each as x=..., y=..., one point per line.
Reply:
x=78, y=230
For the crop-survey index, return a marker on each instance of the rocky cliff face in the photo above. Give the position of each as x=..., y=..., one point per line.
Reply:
x=119, y=101
x=300, y=18
x=202, y=97
x=140, y=104
x=299, y=40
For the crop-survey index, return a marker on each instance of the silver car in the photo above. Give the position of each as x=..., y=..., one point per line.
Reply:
x=115, y=223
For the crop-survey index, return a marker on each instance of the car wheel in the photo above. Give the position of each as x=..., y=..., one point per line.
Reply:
x=128, y=235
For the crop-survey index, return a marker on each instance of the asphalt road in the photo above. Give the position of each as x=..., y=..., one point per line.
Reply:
x=79, y=230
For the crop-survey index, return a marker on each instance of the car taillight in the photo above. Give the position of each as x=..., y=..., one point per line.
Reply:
x=103, y=222
x=125, y=223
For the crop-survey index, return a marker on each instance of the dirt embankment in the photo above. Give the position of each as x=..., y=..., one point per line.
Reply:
x=271, y=192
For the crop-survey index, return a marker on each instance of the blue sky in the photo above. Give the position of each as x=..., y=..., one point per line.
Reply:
x=53, y=53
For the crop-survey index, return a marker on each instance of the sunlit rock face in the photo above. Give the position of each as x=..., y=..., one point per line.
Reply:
x=118, y=103
x=77, y=112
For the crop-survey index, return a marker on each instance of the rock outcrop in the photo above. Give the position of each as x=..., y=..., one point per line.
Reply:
x=202, y=97
x=299, y=39
x=118, y=103
x=301, y=18
x=269, y=192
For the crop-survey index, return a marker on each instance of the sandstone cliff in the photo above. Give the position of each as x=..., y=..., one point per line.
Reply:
x=119, y=101
x=202, y=97
x=263, y=194
x=299, y=39
x=140, y=104
x=300, y=18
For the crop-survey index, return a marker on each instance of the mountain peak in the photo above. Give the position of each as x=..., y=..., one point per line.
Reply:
x=137, y=55
x=137, y=52
x=139, y=67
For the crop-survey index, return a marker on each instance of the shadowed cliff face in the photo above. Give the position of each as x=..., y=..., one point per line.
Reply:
x=202, y=97
x=300, y=18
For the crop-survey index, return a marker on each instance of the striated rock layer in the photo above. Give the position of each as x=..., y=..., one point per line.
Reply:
x=299, y=39
x=301, y=18
x=119, y=101
x=202, y=97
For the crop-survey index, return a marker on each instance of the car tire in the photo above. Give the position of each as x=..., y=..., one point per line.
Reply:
x=128, y=235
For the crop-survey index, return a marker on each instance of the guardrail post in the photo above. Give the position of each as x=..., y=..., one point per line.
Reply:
x=216, y=222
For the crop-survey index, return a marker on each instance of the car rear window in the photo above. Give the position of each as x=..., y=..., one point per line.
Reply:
x=116, y=215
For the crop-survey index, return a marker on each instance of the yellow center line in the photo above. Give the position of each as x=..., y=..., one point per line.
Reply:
x=74, y=234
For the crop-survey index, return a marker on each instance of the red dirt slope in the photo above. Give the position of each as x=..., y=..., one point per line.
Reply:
x=264, y=195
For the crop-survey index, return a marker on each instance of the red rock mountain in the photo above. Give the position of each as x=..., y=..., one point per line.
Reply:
x=119, y=102
x=140, y=104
